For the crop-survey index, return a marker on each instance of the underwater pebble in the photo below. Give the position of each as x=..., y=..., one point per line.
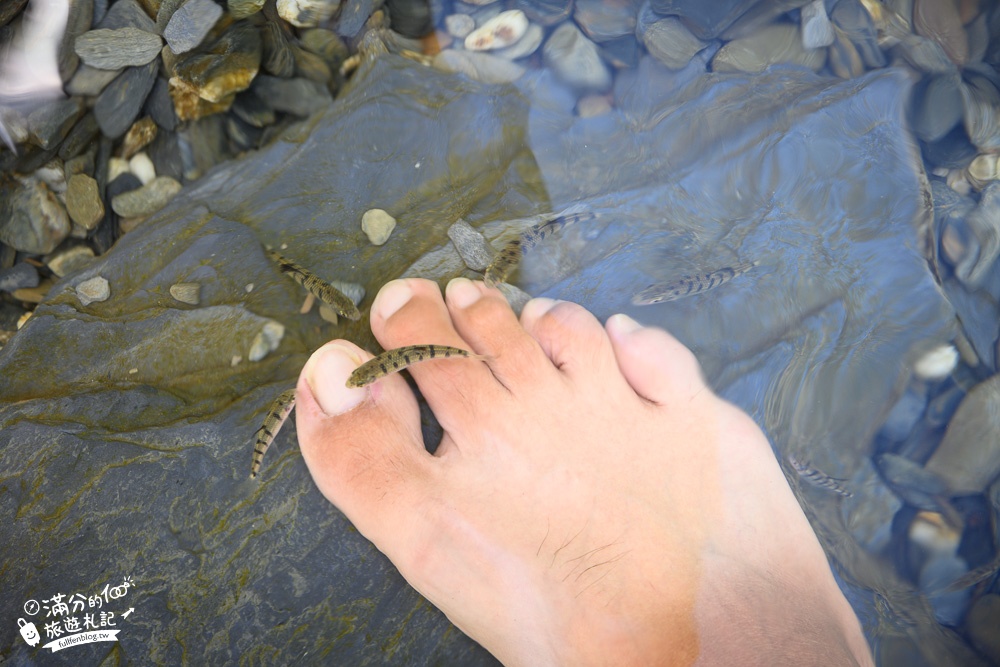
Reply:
x=377, y=225
x=817, y=31
x=459, y=25
x=118, y=105
x=525, y=46
x=983, y=226
x=904, y=415
x=190, y=24
x=471, y=245
x=31, y=218
x=147, y=199
x=591, y=106
x=189, y=293
x=240, y=9
x=266, y=340
x=499, y=32
x=142, y=167
x=575, y=60
x=307, y=13
x=775, y=44
x=982, y=623
x=982, y=169
x=968, y=457
x=20, y=276
x=671, y=43
x=937, y=364
x=116, y=167
x=483, y=67
x=949, y=606
x=70, y=260
x=940, y=21
x=604, y=21
x=50, y=123
x=117, y=49
x=94, y=289
x=296, y=96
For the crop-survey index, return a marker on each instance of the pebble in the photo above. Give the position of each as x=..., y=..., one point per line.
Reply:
x=940, y=21
x=377, y=225
x=981, y=100
x=266, y=340
x=817, y=31
x=48, y=124
x=295, y=96
x=983, y=169
x=968, y=457
x=117, y=49
x=128, y=13
x=31, y=218
x=471, y=245
x=94, y=289
x=483, y=67
x=71, y=259
x=83, y=201
x=845, y=61
x=118, y=105
x=142, y=167
x=116, y=167
x=983, y=225
x=772, y=45
x=278, y=57
x=671, y=43
x=160, y=107
x=525, y=46
x=140, y=135
x=499, y=32
x=80, y=137
x=20, y=276
x=982, y=623
x=33, y=294
x=936, y=106
x=937, y=364
x=190, y=24
x=307, y=13
x=603, y=21
x=241, y=9
x=353, y=15
x=189, y=293
x=592, y=106
x=90, y=80
x=459, y=25
x=949, y=606
x=574, y=59
x=147, y=199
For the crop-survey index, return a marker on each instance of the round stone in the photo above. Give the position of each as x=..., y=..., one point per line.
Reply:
x=83, y=201
x=94, y=289
x=378, y=225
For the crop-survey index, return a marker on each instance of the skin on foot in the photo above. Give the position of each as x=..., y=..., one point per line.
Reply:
x=591, y=502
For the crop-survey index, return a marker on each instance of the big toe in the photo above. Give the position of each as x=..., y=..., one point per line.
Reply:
x=363, y=447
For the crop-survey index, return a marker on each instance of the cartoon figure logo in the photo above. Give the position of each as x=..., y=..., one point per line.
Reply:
x=29, y=632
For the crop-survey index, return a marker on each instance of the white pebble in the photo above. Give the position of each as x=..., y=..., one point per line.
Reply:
x=938, y=363
x=266, y=340
x=95, y=289
x=116, y=167
x=307, y=13
x=499, y=32
x=459, y=25
x=378, y=225
x=142, y=167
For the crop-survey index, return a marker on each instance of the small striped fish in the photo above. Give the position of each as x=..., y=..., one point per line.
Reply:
x=318, y=287
x=393, y=361
x=817, y=478
x=689, y=285
x=510, y=256
x=276, y=417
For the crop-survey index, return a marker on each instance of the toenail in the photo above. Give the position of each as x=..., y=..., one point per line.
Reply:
x=393, y=295
x=462, y=292
x=622, y=325
x=326, y=373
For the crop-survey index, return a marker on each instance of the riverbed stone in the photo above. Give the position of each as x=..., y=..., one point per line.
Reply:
x=968, y=458
x=118, y=105
x=190, y=24
x=118, y=49
x=145, y=200
x=83, y=201
x=31, y=218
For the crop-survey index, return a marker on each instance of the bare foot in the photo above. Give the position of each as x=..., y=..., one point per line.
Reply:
x=592, y=501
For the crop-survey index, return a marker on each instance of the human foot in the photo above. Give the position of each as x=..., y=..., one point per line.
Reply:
x=591, y=499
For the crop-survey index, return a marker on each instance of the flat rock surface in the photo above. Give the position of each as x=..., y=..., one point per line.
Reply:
x=126, y=426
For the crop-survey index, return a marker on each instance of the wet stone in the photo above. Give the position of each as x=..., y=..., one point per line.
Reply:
x=93, y=290
x=983, y=225
x=81, y=14
x=164, y=13
x=545, y=12
x=940, y=21
x=981, y=100
x=968, y=458
x=240, y=9
x=20, y=276
x=983, y=621
x=706, y=19
x=266, y=340
x=117, y=49
x=671, y=43
x=190, y=24
x=603, y=21
x=775, y=44
x=949, y=606
x=983, y=169
x=278, y=57
x=817, y=31
x=483, y=67
x=499, y=32
x=226, y=68
x=295, y=96
x=50, y=123
x=147, y=199
x=142, y=167
x=118, y=106
x=856, y=23
x=72, y=259
x=471, y=245
x=937, y=106
x=128, y=14
x=377, y=225
x=459, y=25
x=326, y=44
x=83, y=201
x=31, y=218
x=307, y=13
x=90, y=81
x=140, y=135
x=80, y=137
x=160, y=107
x=353, y=16
x=524, y=47
x=904, y=415
x=575, y=60
x=936, y=364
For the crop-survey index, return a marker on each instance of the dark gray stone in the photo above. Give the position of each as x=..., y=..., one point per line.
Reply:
x=603, y=21
x=937, y=106
x=353, y=15
x=9, y=9
x=278, y=57
x=160, y=107
x=126, y=182
x=118, y=106
x=118, y=49
x=80, y=137
x=18, y=276
x=81, y=14
x=31, y=218
x=471, y=245
x=190, y=24
x=90, y=80
x=409, y=18
x=705, y=19
x=296, y=96
x=50, y=123
x=128, y=13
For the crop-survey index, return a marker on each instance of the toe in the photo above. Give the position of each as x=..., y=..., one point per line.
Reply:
x=484, y=318
x=657, y=366
x=571, y=337
x=363, y=448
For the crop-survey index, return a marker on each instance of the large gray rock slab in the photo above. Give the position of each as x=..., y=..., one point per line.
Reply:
x=125, y=425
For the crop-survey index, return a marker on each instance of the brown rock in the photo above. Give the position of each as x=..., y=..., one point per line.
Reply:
x=83, y=201
x=939, y=20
